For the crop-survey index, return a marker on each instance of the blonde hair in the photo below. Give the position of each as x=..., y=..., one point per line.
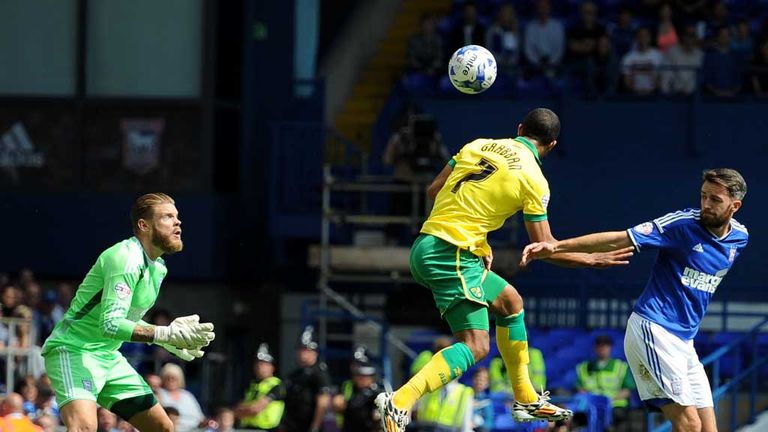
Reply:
x=145, y=204
x=175, y=370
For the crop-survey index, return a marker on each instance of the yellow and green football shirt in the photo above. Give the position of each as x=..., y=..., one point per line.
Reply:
x=492, y=179
x=119, y=289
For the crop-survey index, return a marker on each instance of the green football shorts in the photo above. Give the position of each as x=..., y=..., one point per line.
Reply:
x=105, y=377
x=459, y=282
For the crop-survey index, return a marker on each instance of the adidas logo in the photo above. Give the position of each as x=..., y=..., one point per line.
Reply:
x=698, y=248
x=17, y=150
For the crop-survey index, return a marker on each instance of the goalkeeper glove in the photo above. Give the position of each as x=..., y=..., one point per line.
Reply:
x=183, y=353
x=185, y=332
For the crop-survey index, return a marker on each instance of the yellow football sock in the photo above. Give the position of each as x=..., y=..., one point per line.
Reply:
x=446, y=365
x=512, y=341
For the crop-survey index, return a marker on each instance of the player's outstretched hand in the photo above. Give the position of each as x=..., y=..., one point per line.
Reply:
x=183, y=353
x=618, y=257
x=534, y=251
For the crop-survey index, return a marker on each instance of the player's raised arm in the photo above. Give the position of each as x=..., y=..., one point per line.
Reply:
x=611, y=249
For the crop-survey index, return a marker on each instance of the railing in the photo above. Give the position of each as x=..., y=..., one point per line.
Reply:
x=718, y=389
x=349, y=312
x=12, y=352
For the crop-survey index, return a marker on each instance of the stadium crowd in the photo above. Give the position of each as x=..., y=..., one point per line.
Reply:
x=601, y=47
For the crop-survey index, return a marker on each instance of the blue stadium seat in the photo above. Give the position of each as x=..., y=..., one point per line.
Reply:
x=420, y=84
x=564, y=380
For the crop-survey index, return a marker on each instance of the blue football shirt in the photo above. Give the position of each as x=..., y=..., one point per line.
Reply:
x=690, y=265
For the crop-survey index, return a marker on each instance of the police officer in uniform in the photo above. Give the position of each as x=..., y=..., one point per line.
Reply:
x=359, y=356
x=257, y=411
x=359, y=411
x=306, y=391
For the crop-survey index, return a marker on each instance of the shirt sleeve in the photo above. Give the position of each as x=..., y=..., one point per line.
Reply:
x=322, y=380
x=277, y=393
x=116, y=298
x=536, y=200
x=650, y=235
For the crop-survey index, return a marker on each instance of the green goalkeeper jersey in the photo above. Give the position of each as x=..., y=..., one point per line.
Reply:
x=119, y=289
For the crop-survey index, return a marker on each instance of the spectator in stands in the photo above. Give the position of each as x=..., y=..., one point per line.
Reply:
x=26, y=277
x=640, y=65
x=582, y=43
x=49, y=315
x=605, y=78
x=106, y=420
x=583, y=36
x=607, y=376
x=544, y=41
x=742, y=43
x=623, y=32
x=32, y=297
x=47, y=422
x=44, y=380
x=154, y=382
x=760, y=71
x=470, y=31
x=223, y=421
x=682, y=64
x=503, y=40
x=13, y=308
x=65, y=292
x=46, y=400
x=425, y=356
x=722, y=70
x=666, y=34
x=256, y=410
x=174, y=415
x=414, y=152
x=173, y=394
x=14, y=418
x=709, y=30
x=425, y=49
x=537, y=372
x=482, y=418
x=27, y=388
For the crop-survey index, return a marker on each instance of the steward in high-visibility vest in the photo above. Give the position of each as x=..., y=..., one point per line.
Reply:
x=606, y=376
x=449, y=408
x=256, y=411
x=537, y=371
x=425, y=356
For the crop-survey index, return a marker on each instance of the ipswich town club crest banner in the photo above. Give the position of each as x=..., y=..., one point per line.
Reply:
x=141, y=144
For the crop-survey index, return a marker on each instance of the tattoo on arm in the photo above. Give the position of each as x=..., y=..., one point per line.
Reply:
x=143, y=333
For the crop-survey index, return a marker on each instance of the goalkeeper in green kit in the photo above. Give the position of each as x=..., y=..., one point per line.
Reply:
x=81, y=355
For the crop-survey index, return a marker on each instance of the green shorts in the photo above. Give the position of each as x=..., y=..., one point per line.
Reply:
x=462, y=287
x=105, y=377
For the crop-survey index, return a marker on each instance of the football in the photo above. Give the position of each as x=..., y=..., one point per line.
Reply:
x=472, y=69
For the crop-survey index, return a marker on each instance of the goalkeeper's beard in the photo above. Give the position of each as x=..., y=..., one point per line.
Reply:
x=167, y=243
